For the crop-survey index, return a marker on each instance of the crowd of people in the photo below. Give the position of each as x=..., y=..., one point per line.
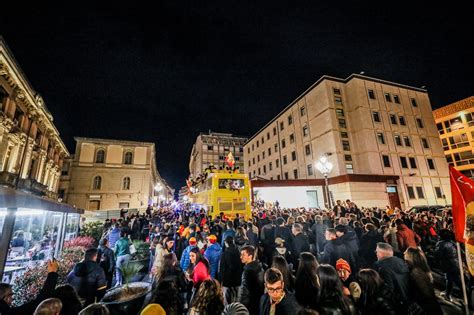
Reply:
x=344, y=260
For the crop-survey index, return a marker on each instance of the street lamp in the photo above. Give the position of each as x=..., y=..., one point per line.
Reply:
x=158, y=187
x=325, y=167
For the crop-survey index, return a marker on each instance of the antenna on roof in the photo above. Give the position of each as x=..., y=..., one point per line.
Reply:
x=362, y=72
x=423, y=86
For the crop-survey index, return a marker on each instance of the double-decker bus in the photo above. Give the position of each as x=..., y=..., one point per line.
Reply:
x=223, y=191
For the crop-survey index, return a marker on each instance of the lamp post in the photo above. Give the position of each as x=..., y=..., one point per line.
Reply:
x=325, y=167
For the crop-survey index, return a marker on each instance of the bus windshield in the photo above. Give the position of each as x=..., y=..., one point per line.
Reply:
x=231, y=183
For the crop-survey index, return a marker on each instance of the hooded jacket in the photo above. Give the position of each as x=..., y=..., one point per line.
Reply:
x=230, y=267
x=88, y=278
x=184, y=263
x=213, y=255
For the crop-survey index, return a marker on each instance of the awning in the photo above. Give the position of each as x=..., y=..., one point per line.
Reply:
x=11, y=198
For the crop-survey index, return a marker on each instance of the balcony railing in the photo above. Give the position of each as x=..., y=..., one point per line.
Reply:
x=26, y=184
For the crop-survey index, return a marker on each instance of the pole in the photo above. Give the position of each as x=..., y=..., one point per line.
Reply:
x=327, y=190
x=461, y=269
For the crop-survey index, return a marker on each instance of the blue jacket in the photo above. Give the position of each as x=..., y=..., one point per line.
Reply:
x=184, y=263
x=213, y=255
x=114, y=237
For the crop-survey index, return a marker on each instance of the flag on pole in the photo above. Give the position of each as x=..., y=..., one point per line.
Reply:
x=230, y=160
x=462, y=192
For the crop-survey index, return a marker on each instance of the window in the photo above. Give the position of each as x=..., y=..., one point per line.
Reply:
x=269, y=151
x=425, y=144
x=249, y=163
x=412, y=162
x=209, y=148
x=295, y=173
x=270, y=166
x=290, y=120
x=274, y=131
x=100, y=156
x=278, y=177
x=388, y=98
x=268, y=136
x=401, y=119
x=258, y=158
x=257, y=144
x=345, y=145
x=439, y=192
x=376, y=116
x=307, y=149
x=259, y=172
x=336, y=91
x=303, y=111
x=276, y=147
x=398, y=140
x=469, y=119
x=253, y=147
x=431, y=165
x=283, y=143
x=371, y=94
x=342, y=123
x=263, y=154
x=440, y=128
x=126, y=183
x=347, y=157
x=413, y=102
x=305, y=131
x=129, y=157
x=253, y=160
x=277, y=163
x=264, y=169
x=411, y=192
x=403, y=162
x=293, y=155
x=221, y=158
x=393, y=119
x=339, y=112
x=419, y=192
x=396, y=99
x=97, y=183
x=344, y=135
x=310, y=169
x=292, y=138
x=285, y=160
x=419, y=122
x=386, y=161
x=380, y=138
x=349, y=168
x=263, y=140
x=282, y=126
x=286, y=175
x=407, y=141
x=338, y=100
x=248, y=150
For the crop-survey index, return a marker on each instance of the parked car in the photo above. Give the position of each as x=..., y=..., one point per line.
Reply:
x=418, y=209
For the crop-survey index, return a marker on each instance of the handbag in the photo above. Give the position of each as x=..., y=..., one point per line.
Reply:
x=132, y=249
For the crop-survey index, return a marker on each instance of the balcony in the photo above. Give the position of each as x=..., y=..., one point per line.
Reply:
x=26, y=184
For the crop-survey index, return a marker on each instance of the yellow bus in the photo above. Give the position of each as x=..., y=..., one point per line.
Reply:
x=223, y=191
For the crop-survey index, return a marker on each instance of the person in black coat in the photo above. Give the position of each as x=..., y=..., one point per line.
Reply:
x=335, y=249
x=368, y=244
x=251, y=287
x=106, y=259
x=282, y=231
x=300, y=243
x=446, y=254
x=69, y=298
x=6, y=294
x=306, y=282
x=375, y=295
x=348, y=236
x=252, y=237
x=230, y=270
x=318, y=229
x=277, y=300
x=88, y=278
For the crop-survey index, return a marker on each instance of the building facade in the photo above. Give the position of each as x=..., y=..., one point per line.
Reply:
x=112, y=174
x=31, y=151
x=455, y=124
x=213, y=148
x=379, y=136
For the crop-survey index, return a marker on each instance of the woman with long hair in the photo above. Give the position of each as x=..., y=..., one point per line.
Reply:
x=198, y=270
x=208, y=300
x=68, y=296
x=240, y=238
x=279, y=262
x=375, y=296
x=166, y=294
x=421, y=281
x=330, y=298
x=306, y=283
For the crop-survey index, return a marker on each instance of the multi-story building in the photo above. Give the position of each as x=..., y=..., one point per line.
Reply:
x=31, y=151
x=455, y=124
x=112, y=174
x=213, y=148
x=379, y=136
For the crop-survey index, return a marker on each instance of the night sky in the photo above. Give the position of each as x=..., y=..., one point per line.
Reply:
x=165, y=73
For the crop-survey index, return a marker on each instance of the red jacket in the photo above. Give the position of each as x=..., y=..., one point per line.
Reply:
x=406, y=238
x=200, y=274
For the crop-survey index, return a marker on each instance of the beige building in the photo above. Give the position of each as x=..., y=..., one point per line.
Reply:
x=213, y=148
x=112, y=174
x=380, y=137
x=31, y=151
x=455, y=124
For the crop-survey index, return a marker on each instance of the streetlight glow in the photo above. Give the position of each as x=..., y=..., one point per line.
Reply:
x=325, y=167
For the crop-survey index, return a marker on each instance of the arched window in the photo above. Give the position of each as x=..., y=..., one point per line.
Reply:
x=97, y=184
x=126, y=183
x=128, y=158
x=100, y=156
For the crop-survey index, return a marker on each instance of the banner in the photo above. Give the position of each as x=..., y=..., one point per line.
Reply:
x=462, y=192
x=230, y=160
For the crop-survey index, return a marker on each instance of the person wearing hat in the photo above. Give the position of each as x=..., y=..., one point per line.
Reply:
x=280, y=250
x=213, y=254
x=184, y=262
x=350, y=287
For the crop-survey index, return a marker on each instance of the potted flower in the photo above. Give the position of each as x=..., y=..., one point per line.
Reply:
x=128, y=298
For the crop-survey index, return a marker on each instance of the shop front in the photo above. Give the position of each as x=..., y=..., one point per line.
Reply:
x=33, y=229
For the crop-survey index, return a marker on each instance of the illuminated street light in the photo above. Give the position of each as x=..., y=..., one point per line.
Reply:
x=325, y=167
x=158, y=187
